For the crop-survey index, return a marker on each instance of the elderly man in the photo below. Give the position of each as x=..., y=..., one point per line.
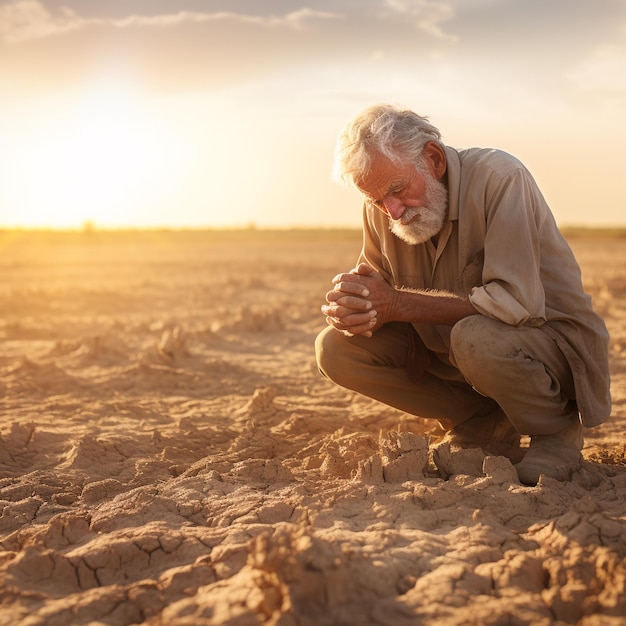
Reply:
x=466, y=305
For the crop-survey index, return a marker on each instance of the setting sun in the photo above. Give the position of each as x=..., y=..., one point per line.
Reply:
x=102, y=161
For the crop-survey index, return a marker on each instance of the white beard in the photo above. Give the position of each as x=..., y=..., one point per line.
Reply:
x=419, y=224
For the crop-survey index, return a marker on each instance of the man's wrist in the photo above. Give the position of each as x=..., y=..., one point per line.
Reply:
x=394, y=306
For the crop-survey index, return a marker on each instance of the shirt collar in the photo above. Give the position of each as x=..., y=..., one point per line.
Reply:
x=453, y=170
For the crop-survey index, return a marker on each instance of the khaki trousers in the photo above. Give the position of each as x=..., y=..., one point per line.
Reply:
x=519, y=370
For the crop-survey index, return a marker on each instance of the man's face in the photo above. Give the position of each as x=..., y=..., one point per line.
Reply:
x=412, y=197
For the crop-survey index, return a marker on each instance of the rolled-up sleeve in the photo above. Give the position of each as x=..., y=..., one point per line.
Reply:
x=512, y=289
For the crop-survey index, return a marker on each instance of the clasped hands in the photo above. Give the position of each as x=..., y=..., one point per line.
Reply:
x=360, y=302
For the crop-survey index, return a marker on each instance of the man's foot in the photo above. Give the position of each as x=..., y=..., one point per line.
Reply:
x=493, y=433
x=555, y=455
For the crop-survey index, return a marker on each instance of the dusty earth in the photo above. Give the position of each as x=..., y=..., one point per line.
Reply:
x=169, y=454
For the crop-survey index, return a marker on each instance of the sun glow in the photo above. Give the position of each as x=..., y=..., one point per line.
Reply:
x=102, y=159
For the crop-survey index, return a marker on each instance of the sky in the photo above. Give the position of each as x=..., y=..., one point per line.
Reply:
x=212, y=113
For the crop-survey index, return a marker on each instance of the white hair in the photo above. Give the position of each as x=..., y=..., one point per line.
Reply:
x=398, y=134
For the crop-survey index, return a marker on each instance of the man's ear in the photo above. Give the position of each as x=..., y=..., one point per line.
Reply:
x=435, y=158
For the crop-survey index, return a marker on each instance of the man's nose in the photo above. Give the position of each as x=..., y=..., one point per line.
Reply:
x=394, y=207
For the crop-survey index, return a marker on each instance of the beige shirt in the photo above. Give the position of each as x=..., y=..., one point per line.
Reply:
x=501, y=246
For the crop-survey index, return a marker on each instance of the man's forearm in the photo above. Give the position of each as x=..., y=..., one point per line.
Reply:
x=429, y=307
x=362, y=301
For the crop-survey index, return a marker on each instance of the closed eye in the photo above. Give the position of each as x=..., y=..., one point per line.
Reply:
x=397, y=191
x=394, y=191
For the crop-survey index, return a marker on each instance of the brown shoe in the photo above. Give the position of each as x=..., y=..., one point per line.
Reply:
x=492, y=432
x=555, y=455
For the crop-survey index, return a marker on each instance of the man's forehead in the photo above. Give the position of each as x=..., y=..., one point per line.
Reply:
x=383, y=175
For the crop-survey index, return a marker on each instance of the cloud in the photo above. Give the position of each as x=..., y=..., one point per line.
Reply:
x=297, y=19
x=191, y=49
x=23, y=20
x=26, y=20
x=427, y=15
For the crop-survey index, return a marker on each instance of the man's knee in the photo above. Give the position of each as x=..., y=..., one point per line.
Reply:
x=476, y=343
x=466, y=335
x=486, y=350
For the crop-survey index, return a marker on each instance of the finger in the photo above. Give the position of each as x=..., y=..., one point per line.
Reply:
x=352, y=276
x=336, y=323
x=361, y=329
x=346, y=317
x=353, y=320
x=363, y=269
x=354, y=302
x=367, y=333
x=339, y=277
x=352, y=287
x=334, y=310
x=335, y=296
x=359, y=319
x=339, y=292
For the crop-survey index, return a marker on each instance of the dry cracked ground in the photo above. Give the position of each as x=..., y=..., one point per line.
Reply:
x=170, y=456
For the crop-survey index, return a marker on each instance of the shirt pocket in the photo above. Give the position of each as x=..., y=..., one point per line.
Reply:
x=472, y=273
